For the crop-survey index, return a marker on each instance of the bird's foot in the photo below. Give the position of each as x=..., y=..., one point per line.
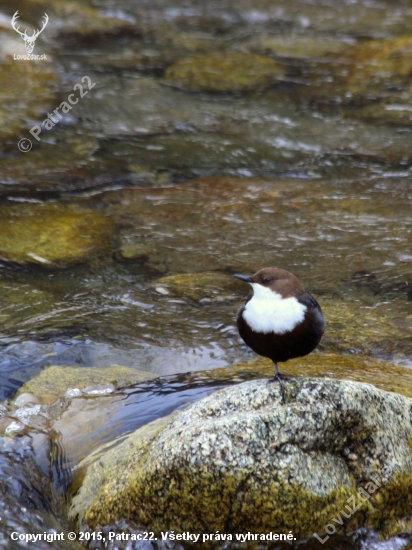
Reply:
x=279, y=378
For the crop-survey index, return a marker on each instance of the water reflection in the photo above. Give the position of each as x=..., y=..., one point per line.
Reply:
x=22, y=362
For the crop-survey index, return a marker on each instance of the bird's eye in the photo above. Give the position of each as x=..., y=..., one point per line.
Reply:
x=267, y=279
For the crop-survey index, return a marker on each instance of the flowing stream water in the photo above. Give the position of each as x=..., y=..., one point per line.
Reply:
x=121, y=228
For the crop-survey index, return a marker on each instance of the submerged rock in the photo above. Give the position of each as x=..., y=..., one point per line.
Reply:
x=298, y=47
x=54, y=381
x=243, y=459
x=206, y=286
x=355, y=328
x=36, y=92
x=134, y=249
x=78, y=21
x=65, y=163
x=225, y=72
x=395, y=111
x=374, y=69
x=378, y=63
x=20, y=299
x=52, y=235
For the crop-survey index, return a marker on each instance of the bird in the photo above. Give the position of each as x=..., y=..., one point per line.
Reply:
x=280, y=320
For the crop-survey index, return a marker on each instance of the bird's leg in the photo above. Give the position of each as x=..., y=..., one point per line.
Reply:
x=279, y=378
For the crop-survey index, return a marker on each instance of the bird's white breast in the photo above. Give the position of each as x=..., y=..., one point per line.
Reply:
x=268, y=312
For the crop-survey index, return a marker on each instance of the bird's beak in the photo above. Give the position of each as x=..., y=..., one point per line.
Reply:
x=243, y=278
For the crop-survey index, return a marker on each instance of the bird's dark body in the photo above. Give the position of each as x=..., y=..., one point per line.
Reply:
x=298, y=342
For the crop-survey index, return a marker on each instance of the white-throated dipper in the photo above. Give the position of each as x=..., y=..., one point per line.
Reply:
x=280, y=320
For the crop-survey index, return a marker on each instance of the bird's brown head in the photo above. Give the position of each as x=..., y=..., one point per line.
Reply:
x=278, y=280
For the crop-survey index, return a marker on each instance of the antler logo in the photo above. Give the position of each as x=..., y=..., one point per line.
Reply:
x=29, y=40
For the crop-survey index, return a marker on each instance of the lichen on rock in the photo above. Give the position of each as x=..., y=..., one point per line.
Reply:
x=243, y=459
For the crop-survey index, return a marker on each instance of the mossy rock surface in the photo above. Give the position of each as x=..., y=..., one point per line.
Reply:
x=67, y=164
x=352, y=327
x=54, y=381
x=378, y=62
x=298, y=47
x=373, y=69
x=200, y=286
x=225, y=72
x=337, y=365
x=80, y=19
x=52, y=235
x=17, y=299
x=394, y=111
x=246, y=459
x=134, y=249
x=27, y=90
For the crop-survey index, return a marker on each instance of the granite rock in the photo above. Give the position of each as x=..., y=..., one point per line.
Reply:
x=247, y=458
